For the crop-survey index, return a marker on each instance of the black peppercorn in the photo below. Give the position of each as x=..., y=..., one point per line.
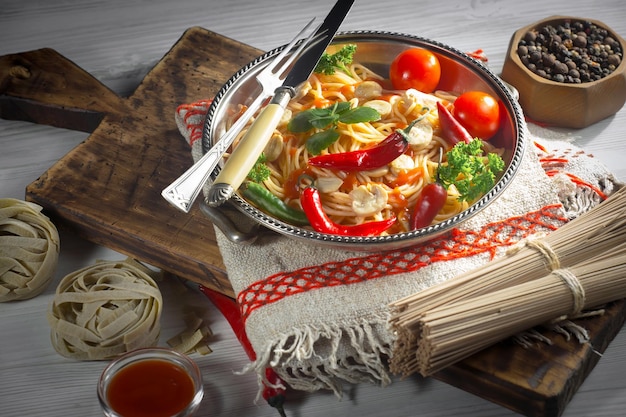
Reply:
x=560, y=68
x=570, y=52
x=614, y=59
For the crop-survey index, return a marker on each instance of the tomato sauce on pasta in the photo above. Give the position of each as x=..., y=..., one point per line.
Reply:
x=354, y=197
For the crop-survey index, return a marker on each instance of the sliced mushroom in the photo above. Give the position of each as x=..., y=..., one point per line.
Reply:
x=420, y=135
x=381, y=106
x=274, y=147
x=402, y=163
x=378, y=172
x=368, y=90
x=412, y=97
x=367, y=201
x=328, y=184
x=285, y=118
x=302, y=91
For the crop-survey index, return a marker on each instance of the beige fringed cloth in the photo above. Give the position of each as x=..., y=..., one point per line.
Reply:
x=319, y=315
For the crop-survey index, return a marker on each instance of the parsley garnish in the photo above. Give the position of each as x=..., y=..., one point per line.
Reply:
x=260, y=171
x=472, y=172
x=328, y=63
x=328, y=117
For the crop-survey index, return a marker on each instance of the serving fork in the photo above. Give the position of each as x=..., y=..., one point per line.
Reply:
x=185, y=189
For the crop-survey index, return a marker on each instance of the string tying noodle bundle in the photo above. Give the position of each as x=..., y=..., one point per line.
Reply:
x=572, y=282
x=29, y=250
x=448, y=322
x=104, y=310
x=546, y=250
x=566, y=275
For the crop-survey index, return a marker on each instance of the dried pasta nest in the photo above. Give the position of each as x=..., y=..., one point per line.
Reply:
x=29, y=250
x=106, y=309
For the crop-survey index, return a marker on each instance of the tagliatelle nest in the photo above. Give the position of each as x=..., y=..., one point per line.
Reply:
x=29, y=250
x=104, y=310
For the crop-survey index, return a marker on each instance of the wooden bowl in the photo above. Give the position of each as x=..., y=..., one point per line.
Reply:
x=564, y=104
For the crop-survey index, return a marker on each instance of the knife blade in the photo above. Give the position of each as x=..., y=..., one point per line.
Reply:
x=247, y=152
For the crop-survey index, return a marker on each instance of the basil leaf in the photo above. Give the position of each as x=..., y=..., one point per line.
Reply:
x=340, y=107
x=321, y=140
x=300, y=123
x=324, y=121
x=359, y=115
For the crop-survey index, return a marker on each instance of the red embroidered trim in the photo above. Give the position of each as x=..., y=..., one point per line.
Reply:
x=454, y=245
x=553, y=165
x=578, y=181
x=198, y=110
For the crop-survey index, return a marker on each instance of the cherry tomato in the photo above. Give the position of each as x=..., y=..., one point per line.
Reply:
x=415, y=68
x=479, y=113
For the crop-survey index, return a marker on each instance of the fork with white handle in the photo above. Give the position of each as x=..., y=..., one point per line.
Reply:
x=185, y=189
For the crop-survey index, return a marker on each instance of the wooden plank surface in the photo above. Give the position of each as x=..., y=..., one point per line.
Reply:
x=542, y=379
x=108, y=188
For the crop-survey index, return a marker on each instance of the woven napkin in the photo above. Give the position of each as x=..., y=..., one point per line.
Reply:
x=319, y=315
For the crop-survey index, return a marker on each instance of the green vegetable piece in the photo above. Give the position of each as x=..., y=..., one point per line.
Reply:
x=317, y=118
x=263, y=198
x=472, y=172
x=321, y=140
x=329, y=116
x=260, y=171
x=359, y=115
x=301, y=122
x=328, y=63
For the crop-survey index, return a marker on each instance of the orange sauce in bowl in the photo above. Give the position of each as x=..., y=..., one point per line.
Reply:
x=150, y=388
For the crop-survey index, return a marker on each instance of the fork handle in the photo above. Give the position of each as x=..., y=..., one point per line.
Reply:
x=247, y=152
x=185, y=189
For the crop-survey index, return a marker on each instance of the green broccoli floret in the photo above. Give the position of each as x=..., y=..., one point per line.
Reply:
x=328, y=63
x=470, y=170
x=260, y=171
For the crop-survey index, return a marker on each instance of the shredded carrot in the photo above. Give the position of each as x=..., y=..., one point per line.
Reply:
x=347, y=90
x=407, y=177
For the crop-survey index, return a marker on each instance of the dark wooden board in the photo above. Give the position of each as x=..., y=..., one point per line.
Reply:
x=538, y=381
x=108, y=188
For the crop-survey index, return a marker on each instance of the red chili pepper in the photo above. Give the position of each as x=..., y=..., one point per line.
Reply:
x=312, y=206
x=452, y=130
x=275, y=397
x=377, y=156
x=430, y=201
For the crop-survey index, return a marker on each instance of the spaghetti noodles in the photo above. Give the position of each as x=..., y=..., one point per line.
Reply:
x=354, y=197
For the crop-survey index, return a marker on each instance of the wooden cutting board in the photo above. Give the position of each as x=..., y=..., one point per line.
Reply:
x=108, y=190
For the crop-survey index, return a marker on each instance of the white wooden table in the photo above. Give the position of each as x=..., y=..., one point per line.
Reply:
x=118, y=41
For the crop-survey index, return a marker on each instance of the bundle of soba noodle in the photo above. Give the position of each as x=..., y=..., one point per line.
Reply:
x=104, y=310
x=29, y=250
x=579, y=266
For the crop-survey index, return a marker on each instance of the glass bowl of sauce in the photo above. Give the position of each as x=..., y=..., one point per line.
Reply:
x=154, y=382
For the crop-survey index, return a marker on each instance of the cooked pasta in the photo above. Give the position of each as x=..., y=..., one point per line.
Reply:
x=346, y=195
x=29, y=250
x=104, y=310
